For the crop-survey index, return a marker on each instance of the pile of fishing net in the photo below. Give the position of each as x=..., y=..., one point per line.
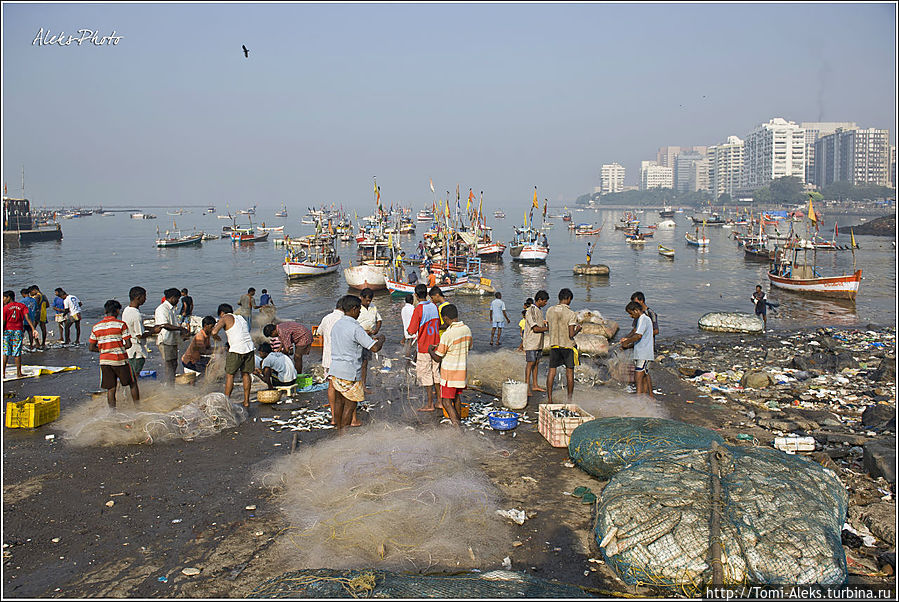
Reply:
x=368, y=583
x=389, y=497
x=199, y=418
x=682, y=511
x=488, y=371
x=604, y=446
x=620, y=364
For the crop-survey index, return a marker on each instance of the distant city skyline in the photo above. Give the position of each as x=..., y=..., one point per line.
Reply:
x=158, y=103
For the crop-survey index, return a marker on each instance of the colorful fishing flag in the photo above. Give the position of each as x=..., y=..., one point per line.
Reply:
x=852, y=238
x=431, y=182
x=536, y=204
x=811, y=213
x=470, y=199
x=378, y=194
x=836, y=230
x=545, y=205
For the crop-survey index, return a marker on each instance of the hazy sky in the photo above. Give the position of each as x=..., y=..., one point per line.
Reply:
x=500, y=98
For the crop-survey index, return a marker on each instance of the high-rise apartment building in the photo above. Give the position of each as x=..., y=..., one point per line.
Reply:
x=813, y=131
x=611, y=178
x=858, y=156
x=691, y=170
x=773, y=150
x=726, y=167
x=653, y=175
x=666, y=156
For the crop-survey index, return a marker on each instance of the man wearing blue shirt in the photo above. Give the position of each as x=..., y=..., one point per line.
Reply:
x=348, y=339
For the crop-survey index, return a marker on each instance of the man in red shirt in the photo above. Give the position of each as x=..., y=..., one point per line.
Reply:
x=110, y=337
x=290, y=338
x=425, y=322
x=15, y=315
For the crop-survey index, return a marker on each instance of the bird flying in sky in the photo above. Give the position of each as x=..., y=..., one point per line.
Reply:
x=246, y=52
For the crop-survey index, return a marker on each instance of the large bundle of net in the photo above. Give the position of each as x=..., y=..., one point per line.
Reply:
x=778, y=520
x=604, y=446
x=198, y=418
x=389, y=498
x=488, y=371
x=368, y=583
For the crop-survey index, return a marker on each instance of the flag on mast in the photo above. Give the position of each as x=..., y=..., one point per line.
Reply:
x=852, y=238
x=545, y=205
x=836, y=230
x=470, y=199
x=811, y=213
x=431, y=182
x=536, y=204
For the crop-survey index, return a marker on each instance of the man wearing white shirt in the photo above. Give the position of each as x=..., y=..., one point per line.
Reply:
x=170, y=333
x=324, y=329
x=72, y=314
x=406, y=315
x=138, y=351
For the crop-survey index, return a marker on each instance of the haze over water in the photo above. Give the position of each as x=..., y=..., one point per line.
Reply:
x=100, y=258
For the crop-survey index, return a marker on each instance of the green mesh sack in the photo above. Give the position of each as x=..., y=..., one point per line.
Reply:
x=780, y=521
x=604, y=446
x=369, y=583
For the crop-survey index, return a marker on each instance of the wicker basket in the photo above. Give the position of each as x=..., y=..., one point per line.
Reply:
x=269, y=396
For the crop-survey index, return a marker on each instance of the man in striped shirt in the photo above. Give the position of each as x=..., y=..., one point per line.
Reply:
x=452, y=353
x=110, y=337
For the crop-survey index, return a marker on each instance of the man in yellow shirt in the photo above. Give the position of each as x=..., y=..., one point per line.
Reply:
x=563, y=327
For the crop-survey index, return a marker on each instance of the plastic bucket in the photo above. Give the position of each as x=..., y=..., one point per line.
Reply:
x=515, y=395
x=502, y=421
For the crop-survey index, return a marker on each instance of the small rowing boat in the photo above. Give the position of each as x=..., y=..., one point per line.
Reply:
x=666, y=252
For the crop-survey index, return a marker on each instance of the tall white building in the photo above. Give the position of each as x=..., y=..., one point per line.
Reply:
x=773, y=150
x=653, y=175
x=726, y=167
x=814, y=130
x=612, y=178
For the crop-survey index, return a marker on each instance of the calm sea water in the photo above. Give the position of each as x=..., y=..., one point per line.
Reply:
x=102, y=257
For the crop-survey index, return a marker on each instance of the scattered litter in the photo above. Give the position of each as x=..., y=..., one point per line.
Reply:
x=110, y=503
x=514, y=515
x=251, y=507
x=190, y=571
x=49, y=437
x=507, y=563
x=175, y=521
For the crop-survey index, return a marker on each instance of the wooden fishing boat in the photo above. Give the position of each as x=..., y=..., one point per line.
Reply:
x=634, y=234
x=636, y=241
x=666, y=252
x=805, y=279
x=371, y=275
x=403, y=288
x=311, y=256
x=666, y=211
x=713, y=220
x=696, y=240
x=263, y=228
x=207, y=236
x=283, y=212
x=587, y=230
x=176, y=239
x=757, y=251
x=246, y=235
x=491, y=250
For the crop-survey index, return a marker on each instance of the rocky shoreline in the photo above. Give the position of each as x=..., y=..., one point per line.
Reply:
x=836, y=386
x=198, y=504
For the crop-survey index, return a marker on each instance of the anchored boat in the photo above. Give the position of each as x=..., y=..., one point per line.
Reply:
x=311, y=256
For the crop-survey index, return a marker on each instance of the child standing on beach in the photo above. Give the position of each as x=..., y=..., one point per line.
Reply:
x=497, y=313
x=643, y=343
x=110, y=337
x=15, y=315
x=452, y=353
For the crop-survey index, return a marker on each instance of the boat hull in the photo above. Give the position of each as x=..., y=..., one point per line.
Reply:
x=242, y=238
x=839, y=287
x=404, y=288
x=530, y=253
x=666, y=252
x=366, y=276
x=491, y=250
x=301, y=269
x=696, y=242
x=194, y=240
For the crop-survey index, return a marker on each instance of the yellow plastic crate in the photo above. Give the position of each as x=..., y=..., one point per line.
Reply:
x=32, y=412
